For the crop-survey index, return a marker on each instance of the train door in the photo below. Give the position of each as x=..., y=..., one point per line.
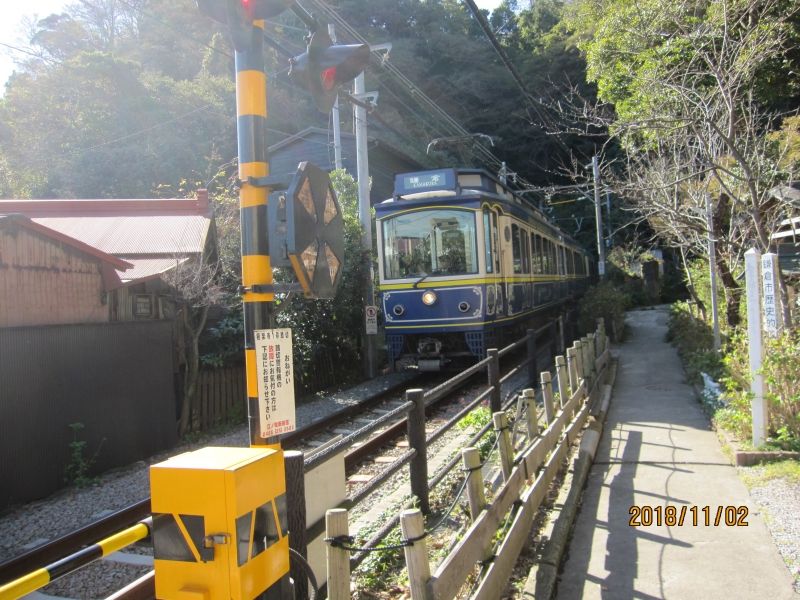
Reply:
x=492, y=265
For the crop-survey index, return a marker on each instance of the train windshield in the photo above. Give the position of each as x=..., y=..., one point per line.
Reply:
x=430, y=243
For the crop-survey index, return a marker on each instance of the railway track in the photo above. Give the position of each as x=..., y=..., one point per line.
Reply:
x=307, y=438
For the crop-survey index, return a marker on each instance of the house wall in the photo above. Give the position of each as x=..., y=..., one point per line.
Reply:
x=317, y=148
x=114, y=379
x=44, y=282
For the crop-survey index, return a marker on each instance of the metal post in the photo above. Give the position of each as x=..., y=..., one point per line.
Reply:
x=531, y=349
x=337, y=130
x=251, y=122
x=759, y=408
x=364, y=212
x=296, y=517
x=495, y=399
x=562, y=342
x=712, y=269
x=418, y=442
x=601, y=251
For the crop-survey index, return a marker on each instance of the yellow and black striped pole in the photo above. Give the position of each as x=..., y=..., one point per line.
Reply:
x=39, y=578
x=251, y=121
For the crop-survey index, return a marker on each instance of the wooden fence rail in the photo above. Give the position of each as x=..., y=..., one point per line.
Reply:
x=539, y=456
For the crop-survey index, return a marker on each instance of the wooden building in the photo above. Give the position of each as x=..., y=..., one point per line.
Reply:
x=147, y=237
x=49, y=278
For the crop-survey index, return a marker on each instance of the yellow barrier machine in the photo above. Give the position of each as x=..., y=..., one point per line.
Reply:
x=219, y=524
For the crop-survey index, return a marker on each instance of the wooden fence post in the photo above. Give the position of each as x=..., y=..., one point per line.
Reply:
x=585, y=360
x=532, y=414
x=531, y=349
x=472, y=466
x=417, y=441
x=547, y=396
x=296, y=517
x=563, y=379
x=338, y=558
x=419, y=569
x=504, y=443
x=572, y=368
x=578, y=345
x=495, y=399
x=601, y=336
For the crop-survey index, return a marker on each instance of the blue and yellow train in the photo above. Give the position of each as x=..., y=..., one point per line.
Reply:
x=465, y=264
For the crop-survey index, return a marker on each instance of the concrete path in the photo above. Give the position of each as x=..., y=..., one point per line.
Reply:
x=658, y=451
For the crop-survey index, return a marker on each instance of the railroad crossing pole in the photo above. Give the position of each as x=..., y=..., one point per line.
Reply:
x=337, y=133
x=251, y=122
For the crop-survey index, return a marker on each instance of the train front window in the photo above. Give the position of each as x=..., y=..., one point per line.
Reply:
x=430, y=242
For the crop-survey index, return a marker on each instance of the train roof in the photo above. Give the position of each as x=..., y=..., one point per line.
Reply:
x=419, y=186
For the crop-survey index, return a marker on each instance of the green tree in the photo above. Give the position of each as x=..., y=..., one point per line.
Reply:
x=692, y=86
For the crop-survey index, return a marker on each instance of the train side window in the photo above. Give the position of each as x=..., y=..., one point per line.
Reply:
x=526, y=252
x=516, y=248
x=538, y=259
x=546, y=256
x=487, y=241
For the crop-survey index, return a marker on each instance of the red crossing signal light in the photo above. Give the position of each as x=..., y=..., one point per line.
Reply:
x=324, y=67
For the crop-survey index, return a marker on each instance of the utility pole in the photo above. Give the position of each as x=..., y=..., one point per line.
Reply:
x=712, y=270
x=364, y=213
x=601, y=251
x=337, y=132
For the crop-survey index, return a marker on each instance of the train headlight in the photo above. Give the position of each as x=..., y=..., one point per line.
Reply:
x=429, y=298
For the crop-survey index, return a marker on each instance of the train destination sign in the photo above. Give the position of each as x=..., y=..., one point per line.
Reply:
x=425, y=181
x=274, y=369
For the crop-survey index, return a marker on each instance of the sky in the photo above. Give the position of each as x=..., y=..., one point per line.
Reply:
x=12, y=12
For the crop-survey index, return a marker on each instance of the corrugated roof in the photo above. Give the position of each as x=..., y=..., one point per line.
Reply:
x=146, y=268
x=136, y=235
x=152, y=233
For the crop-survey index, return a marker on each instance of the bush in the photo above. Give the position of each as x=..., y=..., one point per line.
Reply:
x=781, y=370
x=695, y=343
x=606, y=301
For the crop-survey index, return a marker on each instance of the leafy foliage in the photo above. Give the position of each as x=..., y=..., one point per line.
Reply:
x=606, y=301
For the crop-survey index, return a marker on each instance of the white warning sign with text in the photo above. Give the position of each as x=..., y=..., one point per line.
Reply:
x=274, y=369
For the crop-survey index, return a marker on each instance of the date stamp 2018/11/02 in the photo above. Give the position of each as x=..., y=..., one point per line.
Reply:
x=696, y=516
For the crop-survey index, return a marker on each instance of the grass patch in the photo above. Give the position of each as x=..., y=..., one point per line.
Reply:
x=783, y=469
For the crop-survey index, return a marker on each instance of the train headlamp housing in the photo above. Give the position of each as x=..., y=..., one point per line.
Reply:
x=429, y=298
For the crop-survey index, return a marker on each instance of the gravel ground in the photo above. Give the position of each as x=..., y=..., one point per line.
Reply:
x=31, y=525
x=779, y=500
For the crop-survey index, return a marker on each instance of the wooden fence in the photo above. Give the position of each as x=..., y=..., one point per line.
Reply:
x=528, y=469
x=221, y=396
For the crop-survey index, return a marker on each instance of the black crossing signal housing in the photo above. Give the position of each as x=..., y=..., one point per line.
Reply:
x=239, y=15
x=314, y=231
x=324, y=67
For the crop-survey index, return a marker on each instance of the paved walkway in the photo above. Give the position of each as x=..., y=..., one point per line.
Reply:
x=658, y=450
